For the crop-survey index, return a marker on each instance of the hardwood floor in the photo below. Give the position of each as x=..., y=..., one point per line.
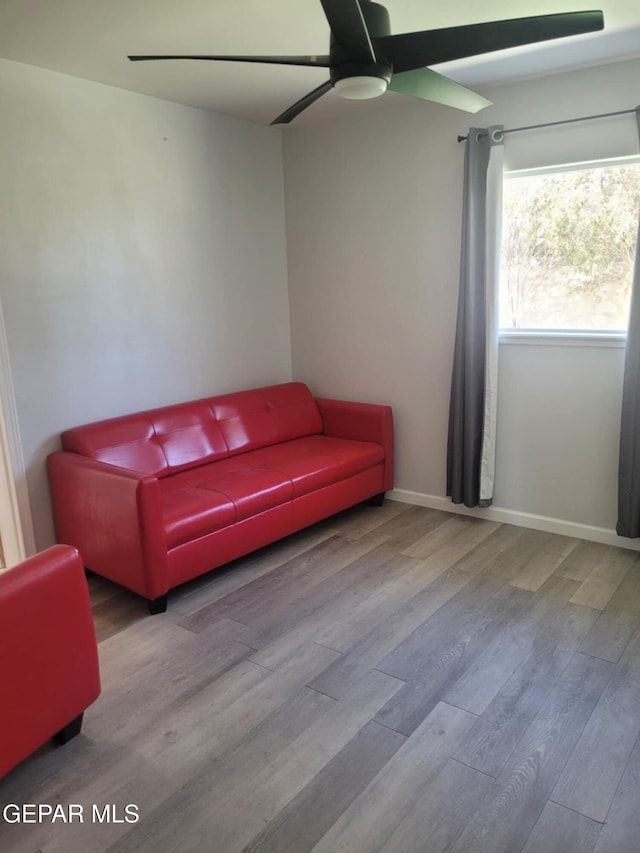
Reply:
x=396, y=679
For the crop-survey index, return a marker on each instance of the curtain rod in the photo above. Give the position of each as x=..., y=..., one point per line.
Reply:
x=563, y=121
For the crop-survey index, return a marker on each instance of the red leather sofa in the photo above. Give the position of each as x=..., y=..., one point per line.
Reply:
x=48, y=653
x=156, y=498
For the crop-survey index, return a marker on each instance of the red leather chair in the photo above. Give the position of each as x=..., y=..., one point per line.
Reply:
x=48, y=653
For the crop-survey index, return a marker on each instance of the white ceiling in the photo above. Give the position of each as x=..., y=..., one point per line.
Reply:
x=91, y=39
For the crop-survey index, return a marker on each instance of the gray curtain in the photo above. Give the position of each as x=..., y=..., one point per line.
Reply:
x=629, y=460
x=474, y=376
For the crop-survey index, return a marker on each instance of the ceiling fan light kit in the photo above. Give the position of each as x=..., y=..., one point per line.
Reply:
x=365, y=59
x=360, y=88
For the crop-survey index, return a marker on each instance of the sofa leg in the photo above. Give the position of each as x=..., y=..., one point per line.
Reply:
x=377, y=500
x=158, y=605
x=69, y=731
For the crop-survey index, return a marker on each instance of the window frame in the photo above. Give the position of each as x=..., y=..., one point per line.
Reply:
x=566, y=337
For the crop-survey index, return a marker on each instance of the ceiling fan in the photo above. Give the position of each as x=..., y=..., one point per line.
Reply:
x=365, y=60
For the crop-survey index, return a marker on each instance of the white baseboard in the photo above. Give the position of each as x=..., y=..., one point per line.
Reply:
x=520, y=519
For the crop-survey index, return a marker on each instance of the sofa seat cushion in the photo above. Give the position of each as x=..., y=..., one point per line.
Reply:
x=189, y=513
x=209, y=497
x=251, y=490
x=316, y=460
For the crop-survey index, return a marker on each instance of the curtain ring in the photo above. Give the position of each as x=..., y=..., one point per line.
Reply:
x=497, y=135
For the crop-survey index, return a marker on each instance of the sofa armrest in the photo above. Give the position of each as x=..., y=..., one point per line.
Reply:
x=48, y=653
x=113, y=516
x=361, y=422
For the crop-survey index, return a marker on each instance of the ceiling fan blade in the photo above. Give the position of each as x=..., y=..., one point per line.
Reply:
x=430, y=86
x=408, y=51
x=303, y=103
x=348, y=26
x=313, y=61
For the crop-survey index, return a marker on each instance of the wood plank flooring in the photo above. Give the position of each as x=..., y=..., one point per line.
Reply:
x=392, y=680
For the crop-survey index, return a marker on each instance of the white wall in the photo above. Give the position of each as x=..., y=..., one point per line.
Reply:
x=142, y=256
x=373, y=235
x=558, y=432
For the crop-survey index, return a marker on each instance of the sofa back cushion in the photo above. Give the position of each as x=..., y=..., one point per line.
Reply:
x=252, y=419
x=174, y=438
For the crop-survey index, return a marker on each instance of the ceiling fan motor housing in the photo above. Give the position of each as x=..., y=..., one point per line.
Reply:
x=345, y=63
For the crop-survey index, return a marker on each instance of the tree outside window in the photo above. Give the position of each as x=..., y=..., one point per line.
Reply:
x=569, y=241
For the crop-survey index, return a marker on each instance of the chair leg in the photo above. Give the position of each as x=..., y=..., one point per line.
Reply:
x=158, y=605
x=377, y=500
x=69, y=731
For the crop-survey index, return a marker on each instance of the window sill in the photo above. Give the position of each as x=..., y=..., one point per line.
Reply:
x=538, y=338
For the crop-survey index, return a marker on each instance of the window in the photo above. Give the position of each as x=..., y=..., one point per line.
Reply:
x=568, y=247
